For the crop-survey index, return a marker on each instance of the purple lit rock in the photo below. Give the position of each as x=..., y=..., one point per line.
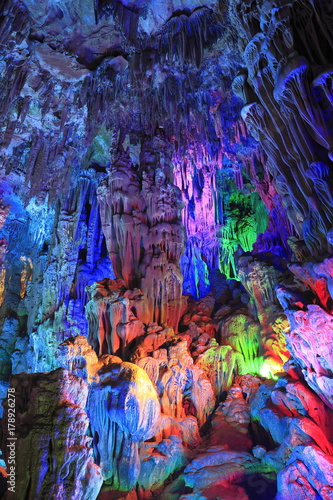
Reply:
x=307, y=474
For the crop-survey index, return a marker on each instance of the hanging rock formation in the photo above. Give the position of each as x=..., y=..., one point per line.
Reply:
x=140, y=213
x=287, y=103
x=166, y=249
x=311, y=325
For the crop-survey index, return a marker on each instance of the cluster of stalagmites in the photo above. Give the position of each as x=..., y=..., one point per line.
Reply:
x=132, y=424
x=164, y=385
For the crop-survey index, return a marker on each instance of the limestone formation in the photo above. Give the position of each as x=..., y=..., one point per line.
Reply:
x=312, y=470
x=122, y=408
x=286, y=102
x=183, y=387
x=51, y=431
x=311, y=326
x=145, y=239
x=166, y=241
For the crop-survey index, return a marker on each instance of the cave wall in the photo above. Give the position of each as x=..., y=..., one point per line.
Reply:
x=165, y=241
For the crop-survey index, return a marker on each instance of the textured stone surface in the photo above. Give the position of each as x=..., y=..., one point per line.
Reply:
x=309, y=340
x=134, y=196
x=307, y=474
x=112, y=323
x=286, y=115
x=183, y=387
x=144, y=235
x=122, y=408
x=294, y=416
x=51, y=430
x=160, y=461
x=220, y=364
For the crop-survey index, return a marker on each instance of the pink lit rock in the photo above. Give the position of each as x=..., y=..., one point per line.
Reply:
x=317, y=277
x=230, y=422
x=220, y=364
x=152, y=342
x=200, y=314
x=186, y=428
x=145, y=238
x=307, y=474
x=310, y=341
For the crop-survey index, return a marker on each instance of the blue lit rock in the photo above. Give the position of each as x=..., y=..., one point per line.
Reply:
x=219, y=363
x=307, y=474
x=123, y=409
x=159, y=461
x=3, y=393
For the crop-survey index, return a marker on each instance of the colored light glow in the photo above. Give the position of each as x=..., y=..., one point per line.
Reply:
x=2, y=285
x=270, y=368
x=246, y=217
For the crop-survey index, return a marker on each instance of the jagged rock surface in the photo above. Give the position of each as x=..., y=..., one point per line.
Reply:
x=51, y=420
x=144, y=235
x=120, y=132
x=280, y=87
x=309, y=338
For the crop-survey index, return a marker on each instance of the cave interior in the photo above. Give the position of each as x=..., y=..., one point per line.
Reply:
x=166, y=249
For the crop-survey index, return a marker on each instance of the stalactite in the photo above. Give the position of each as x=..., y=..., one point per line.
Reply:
x=131, y=175
x=141, y=219
x=65, y=452
x=289, y=121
